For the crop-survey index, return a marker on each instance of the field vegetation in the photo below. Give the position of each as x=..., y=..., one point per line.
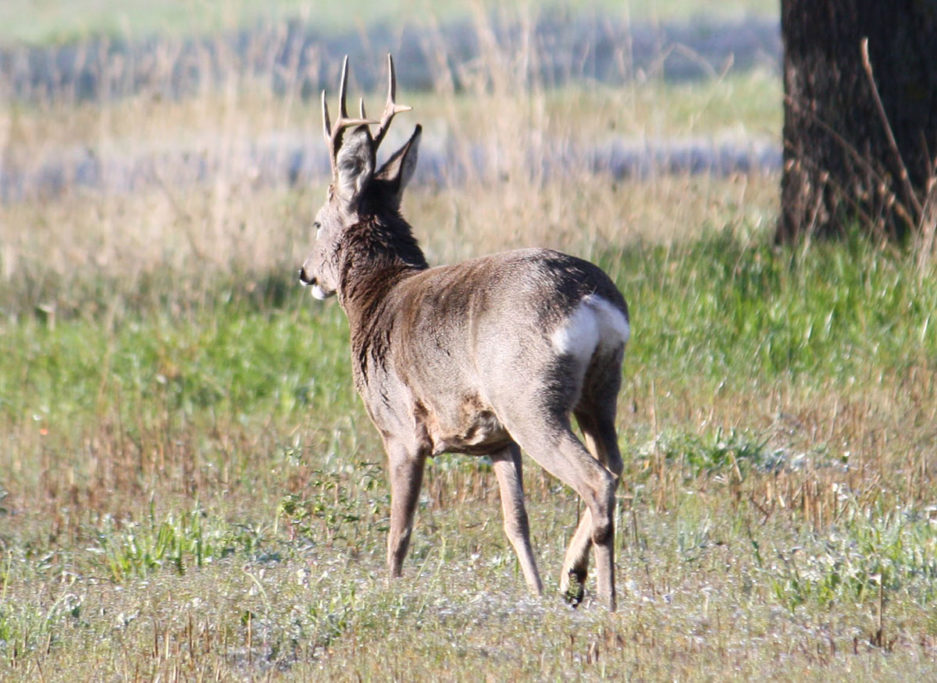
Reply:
x=190, y=489
x=31, y=22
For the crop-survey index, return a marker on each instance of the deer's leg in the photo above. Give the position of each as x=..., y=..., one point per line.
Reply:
x=595, y=413
x=603, y=543
x=598, y=429
x=507, y=466
x=576, y=561
x=553, y=445
x=406, y=477
x=601, y=438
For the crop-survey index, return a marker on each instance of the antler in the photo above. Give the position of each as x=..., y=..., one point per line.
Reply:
x=391, y=108
x=333, y=134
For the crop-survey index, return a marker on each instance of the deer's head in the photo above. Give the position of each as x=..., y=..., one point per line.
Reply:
x=357, y=192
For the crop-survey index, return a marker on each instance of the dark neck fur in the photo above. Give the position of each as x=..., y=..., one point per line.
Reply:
x=378, y=252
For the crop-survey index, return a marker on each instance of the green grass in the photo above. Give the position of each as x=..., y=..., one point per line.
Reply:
x=247, y=495
x=840, y=312
x=746, y=311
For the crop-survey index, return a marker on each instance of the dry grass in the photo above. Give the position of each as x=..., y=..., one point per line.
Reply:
x=55, y=20
x=149, y=180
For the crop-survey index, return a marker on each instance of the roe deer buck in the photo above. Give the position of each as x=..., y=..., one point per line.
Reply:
x=484, y=357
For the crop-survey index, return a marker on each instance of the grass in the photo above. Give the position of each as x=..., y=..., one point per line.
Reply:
x=778, y=499
x=57, y=21
x=731, y=106
x=189, y=487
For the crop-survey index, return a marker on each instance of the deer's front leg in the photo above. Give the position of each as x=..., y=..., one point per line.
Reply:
x=406, y=476
x=508, y=468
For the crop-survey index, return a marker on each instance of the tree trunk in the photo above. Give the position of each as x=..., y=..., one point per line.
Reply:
x=841, y=167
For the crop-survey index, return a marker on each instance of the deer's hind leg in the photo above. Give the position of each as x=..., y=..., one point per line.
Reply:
x=598, y=429
x=553, y=445
x=595, y=413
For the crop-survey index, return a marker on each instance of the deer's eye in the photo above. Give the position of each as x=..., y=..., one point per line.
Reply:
x=318, y=226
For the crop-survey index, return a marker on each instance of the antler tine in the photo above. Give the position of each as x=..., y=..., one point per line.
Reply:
x=391, y=78
x=326, y=124
x=361, y=107
x=391, y=108
x=342, y=111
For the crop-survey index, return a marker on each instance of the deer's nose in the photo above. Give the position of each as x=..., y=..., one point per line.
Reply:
x=305, y=278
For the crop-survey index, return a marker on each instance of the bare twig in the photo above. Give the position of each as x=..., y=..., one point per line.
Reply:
x=902, y=168
x=851, y=150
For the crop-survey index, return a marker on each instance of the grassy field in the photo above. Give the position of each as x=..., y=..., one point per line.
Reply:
x=40, y=22
x=190, y=489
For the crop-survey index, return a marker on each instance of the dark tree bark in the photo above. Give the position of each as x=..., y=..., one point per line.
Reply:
x=840, y=168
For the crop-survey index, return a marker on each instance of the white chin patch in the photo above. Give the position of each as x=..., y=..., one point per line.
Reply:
x=319, y=293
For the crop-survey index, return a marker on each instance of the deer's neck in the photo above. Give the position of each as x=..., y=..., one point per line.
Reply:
x=376, y=255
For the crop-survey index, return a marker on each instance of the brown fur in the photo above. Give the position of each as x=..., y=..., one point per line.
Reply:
x=483, y=357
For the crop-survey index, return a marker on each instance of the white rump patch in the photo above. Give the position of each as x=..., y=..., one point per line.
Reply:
x=593, y=323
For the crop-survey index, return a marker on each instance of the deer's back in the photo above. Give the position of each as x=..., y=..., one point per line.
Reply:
x=467, y=340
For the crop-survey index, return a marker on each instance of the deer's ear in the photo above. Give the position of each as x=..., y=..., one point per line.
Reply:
x=398, y=170
x=354, y=163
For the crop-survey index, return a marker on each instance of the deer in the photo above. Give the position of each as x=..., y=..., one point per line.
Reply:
x=487, y=357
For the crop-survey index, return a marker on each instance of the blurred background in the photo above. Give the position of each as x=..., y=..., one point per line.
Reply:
x=140, y=136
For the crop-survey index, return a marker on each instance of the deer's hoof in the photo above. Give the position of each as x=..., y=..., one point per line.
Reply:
x=576, y=590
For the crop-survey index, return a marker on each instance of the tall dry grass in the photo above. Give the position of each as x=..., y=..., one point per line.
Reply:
x=206, y=158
